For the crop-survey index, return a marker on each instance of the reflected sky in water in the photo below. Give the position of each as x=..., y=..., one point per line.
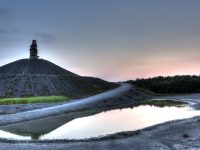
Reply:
x=119, y=120
x=7, y=135
x=113, y=121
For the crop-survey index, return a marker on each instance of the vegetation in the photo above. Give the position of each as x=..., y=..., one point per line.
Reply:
x=163, y=103
x=171, y=85
x=29, y=100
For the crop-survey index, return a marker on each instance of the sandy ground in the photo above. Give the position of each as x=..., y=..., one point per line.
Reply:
x=183, y=134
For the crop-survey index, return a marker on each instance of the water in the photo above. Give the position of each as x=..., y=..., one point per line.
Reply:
x=112, y=122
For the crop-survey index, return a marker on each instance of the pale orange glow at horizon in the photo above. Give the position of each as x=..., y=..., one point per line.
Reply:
x=154, y=68
x=115, y=41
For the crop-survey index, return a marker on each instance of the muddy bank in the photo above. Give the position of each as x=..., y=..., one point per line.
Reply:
x=12, y=109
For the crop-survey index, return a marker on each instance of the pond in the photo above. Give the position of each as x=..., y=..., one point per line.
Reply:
x=109, y=122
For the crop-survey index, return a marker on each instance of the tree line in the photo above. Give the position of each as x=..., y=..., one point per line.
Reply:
x=171, y=85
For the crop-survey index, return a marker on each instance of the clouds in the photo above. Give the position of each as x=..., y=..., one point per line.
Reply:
x=116, y=40
x=44, y=36
x=16, y=34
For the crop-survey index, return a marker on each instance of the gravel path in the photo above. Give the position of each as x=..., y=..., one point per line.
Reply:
x=60, y=109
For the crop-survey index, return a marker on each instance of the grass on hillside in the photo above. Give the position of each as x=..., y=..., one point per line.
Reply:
x=30, y=100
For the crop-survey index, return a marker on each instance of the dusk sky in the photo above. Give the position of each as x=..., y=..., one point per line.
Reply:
x=111, y=39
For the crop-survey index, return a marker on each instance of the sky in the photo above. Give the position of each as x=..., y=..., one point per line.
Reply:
x=114, y=40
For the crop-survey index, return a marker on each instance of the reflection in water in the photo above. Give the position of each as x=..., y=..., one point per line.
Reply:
x=114, y=121
x=8, y=135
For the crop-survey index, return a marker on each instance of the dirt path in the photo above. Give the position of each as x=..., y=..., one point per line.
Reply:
x=67, y=107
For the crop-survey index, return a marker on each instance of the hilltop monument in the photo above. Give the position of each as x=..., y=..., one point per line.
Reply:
x=33, y=50
x=40, y=77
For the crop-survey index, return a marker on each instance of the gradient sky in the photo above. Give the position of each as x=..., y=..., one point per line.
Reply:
x=111, y=39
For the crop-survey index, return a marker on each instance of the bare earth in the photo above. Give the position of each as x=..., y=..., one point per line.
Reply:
x=182, y=134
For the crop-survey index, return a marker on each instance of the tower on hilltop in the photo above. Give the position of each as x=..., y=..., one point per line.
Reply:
x=33, y=50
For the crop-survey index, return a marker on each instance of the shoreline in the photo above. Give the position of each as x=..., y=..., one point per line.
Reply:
x=118, y=135
x=176, y=134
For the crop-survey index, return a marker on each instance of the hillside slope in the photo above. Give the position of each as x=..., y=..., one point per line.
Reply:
x=34, y=66
x=37, y=77
x=43, y=85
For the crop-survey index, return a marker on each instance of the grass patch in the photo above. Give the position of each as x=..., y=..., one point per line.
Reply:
x=30, y=100
x=163, y=103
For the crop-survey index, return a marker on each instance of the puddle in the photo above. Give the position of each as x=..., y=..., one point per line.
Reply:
x=111, y=122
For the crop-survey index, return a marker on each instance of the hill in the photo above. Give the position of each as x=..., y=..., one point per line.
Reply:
x=34, y=66
x=38, y=77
